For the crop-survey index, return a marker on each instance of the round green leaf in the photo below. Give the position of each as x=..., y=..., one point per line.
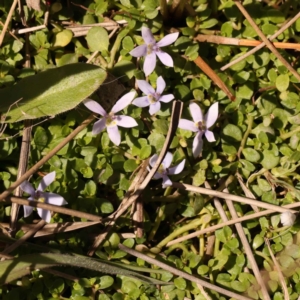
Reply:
x=251, y=154
x=62, y=38
x=282, y=82
x=269, y=160
x=97, y=39
x=232, y=133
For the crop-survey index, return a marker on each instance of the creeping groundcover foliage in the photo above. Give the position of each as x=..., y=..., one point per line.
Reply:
x=150, y=150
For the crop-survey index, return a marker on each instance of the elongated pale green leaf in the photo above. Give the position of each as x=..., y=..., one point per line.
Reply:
x=50, y=92
x=20, y=266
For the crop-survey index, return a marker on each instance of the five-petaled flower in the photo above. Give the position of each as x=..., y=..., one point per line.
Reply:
x=164, y=170
x=200, y=125
x=41, y=196
x=152, y=48
x=153, y=97
x=110, y=120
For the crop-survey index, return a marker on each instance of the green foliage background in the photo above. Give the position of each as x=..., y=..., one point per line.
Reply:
x=257, y=138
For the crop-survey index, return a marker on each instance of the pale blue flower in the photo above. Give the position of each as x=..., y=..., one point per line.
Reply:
x=164, y=169
x=41, y=196
x=111, y=121
x=153, y=97
x=151, y=48
x=200, y=125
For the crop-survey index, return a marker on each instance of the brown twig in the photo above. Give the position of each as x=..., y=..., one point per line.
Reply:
x=213, y=76
x=260, y=46
x=54, y=208
x=25, y=237
x=248, y=251
x=35, y=168
x=232, y=197
x=265, y=40
x=9, y=16
x=216, y=39
x=181, y=274
x=176, y=113
x=230, y=222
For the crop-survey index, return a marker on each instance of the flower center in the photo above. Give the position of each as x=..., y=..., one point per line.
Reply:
x=111, y=120
x=39, y=197
x=152, y=48
x=161, y=170
x=201, y=125
x=153, y=98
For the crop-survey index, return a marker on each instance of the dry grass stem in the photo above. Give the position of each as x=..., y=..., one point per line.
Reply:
x=40, y=163
x=248, y=251
x=215, y=39
x=260, y=46
x=222, y=195
x=230, y=222
x=9, y=16
x=213, y=76
x=266, y=41
x=139, y=188
x=181, y=273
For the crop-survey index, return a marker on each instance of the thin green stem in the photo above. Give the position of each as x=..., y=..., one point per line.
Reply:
x=160, y=216
x=192, y=225
x=116, y=46
x=178, y=246
x=289, y=134
x=245, y=137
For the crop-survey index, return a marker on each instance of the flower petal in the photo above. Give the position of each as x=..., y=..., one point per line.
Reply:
x=196, y=112
x=145, y=87
x=141, y=101
x=54, y=199
x=197, y=144
x=95, y=107
x=46, y=181
x=153, y=160
x=176, y=169
x=166, y=181
x=154, y=108
x=157, y=176
x=160, y=85
x=187, y=125
x=287, y=218
x=210, y=136
x=27, y=210
x=167, y=160
x=125, y=121
x=99, y=126
x=25, y=186
x=44, y=214
x=139, y=51
x=114, y=134
x=168, y=39
x=212, y=115
x=166, y=98
x=123, y=102
x=148, y=36
x=149, y=64
x=165, y=58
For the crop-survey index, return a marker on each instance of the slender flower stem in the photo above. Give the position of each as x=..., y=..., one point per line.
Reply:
x=116, y=46
x=245, y=137
x=159, y=217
